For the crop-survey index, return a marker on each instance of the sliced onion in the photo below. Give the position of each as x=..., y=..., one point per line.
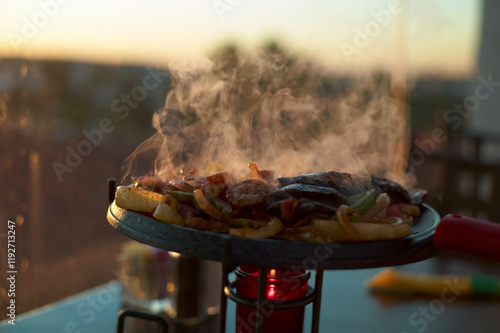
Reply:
x=383, y=200
x=346, y=225
x=206, y=206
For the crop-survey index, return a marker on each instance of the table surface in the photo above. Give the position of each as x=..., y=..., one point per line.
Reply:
x=347, y=306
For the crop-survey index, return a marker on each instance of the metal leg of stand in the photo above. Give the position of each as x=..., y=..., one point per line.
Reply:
x=111, y=189
x=318, y=285
x=142, y=315
x=261, y=298
x=226, y=248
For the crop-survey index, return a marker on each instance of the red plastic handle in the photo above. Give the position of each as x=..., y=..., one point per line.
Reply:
x=467, y=235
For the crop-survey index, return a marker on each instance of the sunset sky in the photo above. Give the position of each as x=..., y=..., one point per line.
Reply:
x=442, y=39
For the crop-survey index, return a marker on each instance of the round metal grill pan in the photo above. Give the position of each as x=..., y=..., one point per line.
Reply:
x=280, y=253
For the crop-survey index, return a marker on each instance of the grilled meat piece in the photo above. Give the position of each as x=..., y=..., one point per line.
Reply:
x=318, y=193
x=215, y=185
x=395, y=191
x=185, y=185
x=248, y=193
x=273, y=204
x=325, y=178
x=304, y=180
x=417, y=196
x=304, y=207
x=154, y=184
x=308, y=207
x=345, y=185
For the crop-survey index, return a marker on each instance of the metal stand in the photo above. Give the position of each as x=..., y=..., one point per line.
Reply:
x=141, y=315
x=261, y=304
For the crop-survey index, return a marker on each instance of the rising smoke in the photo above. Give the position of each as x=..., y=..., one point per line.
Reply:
x=276, y=109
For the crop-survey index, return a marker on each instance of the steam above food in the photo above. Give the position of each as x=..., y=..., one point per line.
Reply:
x=273, y=108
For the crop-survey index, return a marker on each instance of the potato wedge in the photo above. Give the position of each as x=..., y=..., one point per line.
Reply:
x=346, y=225
x=411, y=210
x=137, y=199
x=368, y=231
x=165, y=213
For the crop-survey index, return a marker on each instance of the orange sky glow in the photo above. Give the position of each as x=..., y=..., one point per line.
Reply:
x=442, y=36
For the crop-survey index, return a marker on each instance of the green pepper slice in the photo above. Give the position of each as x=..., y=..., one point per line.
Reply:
x=363, y=201
x=184, y=197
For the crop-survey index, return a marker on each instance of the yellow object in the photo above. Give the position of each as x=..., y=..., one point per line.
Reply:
x=137, y=199
x=165, y=213
x=392, y=280
x=368, y=231
x=272, y=228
